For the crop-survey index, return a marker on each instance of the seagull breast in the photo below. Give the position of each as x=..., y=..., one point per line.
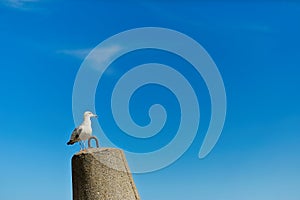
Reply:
x=85, y=133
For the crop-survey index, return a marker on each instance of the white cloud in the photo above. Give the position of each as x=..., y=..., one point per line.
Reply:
x=20, y=4
x=101, y=56
x=78, y=53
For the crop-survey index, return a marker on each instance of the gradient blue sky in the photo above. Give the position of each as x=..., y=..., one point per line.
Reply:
x=255, y=46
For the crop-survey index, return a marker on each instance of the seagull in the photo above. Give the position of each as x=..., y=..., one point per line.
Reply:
x=83, y=131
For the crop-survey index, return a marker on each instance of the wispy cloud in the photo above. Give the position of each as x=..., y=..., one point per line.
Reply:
x=77, y=53
x=100, y=56
x=20, y=4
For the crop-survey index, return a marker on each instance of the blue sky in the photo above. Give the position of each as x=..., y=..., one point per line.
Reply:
x=254, y=44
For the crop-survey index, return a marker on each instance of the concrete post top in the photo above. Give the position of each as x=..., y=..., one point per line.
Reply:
x=102, y=174
x=95, y=150
x=110, y=157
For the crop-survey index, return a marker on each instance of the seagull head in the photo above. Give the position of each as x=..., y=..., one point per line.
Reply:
x=89, y=114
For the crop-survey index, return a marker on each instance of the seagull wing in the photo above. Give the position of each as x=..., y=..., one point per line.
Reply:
x=75, y=136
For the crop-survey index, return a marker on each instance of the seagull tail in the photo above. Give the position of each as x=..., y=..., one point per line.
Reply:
x=70, y=142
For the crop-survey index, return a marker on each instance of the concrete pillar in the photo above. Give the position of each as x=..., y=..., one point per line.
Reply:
x=102, y=174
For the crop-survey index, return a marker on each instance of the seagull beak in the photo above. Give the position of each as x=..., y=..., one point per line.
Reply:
x=96, y=116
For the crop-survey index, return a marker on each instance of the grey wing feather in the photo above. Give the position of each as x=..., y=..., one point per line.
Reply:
x=75, y=136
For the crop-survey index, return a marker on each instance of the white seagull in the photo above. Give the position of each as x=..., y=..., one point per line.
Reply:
x=83, y=131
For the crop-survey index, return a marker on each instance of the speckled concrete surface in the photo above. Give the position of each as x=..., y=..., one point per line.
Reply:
x=102, y=174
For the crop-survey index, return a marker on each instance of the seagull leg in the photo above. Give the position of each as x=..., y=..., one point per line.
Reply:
x=84, y=144
x=80, y=143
